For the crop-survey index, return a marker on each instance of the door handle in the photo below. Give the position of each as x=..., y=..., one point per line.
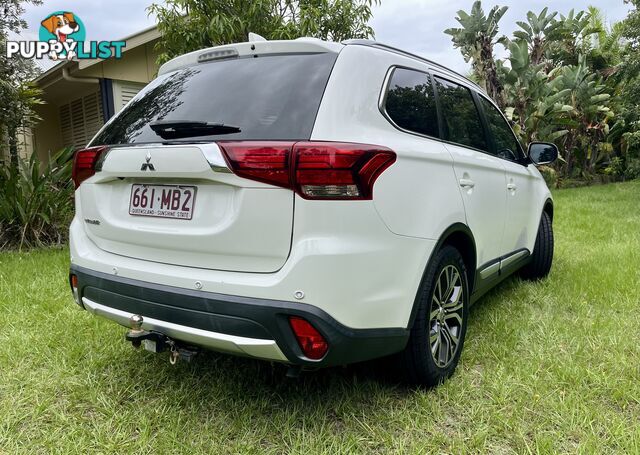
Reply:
x=512, y=186
x=467, y=183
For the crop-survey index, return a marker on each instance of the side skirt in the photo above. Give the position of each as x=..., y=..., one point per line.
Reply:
x=494, y=272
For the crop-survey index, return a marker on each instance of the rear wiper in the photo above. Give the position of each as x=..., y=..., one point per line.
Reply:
x=176, y=129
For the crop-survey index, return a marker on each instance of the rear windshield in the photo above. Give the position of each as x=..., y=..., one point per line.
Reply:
x=268, y=97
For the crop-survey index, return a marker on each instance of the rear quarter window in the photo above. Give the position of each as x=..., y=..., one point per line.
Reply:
x=268, y=98
x=410, y=102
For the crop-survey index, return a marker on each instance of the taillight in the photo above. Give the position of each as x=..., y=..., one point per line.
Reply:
x=312, y=343
x=266, y=162
x=84, y=163
x=324, y=170
x=315, y=170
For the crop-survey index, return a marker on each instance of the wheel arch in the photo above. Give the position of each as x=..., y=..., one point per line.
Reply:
x=459, y=236
x=548, y=208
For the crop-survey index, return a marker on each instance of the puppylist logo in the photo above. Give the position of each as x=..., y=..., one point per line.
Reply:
x=63, y=36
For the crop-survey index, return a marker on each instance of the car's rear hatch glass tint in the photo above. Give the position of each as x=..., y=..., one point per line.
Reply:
x=266, y=97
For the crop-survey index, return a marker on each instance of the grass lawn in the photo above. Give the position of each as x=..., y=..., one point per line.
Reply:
x=547, y=367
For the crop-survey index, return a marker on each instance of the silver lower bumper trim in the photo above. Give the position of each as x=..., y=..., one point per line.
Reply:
x=252, y=347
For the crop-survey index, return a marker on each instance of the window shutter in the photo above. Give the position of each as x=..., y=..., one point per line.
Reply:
x=128, y=91
x=66, y=124
x=80, y=120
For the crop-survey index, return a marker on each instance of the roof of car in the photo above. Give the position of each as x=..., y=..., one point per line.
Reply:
x=260, y=46
x=386, y=47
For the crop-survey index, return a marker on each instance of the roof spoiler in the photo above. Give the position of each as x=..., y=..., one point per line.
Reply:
x=255, y=47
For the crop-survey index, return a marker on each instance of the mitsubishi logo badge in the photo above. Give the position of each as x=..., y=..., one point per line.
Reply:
x=148, y=164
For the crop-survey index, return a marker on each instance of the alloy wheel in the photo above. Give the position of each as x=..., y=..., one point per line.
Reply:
x=445, y=320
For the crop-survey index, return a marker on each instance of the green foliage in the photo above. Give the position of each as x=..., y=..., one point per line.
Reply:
x=629, y=71
x=11, y=17
x=36, y=201
x=615, y=167
x=188, y=25
x=535, y=31
x=550, y=176
x=632, y=170
x=18, y=95
x=535, y=101
x=568, y=79
x=631, y=32
x=588, y=119
x=476, y=40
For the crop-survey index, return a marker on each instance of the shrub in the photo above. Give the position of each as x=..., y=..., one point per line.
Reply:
x=550, y=176
x=633, y=169
x=36, y=201
x=615, y=167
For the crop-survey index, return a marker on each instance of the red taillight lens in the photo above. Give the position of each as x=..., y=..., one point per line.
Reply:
x=313, y=345
x=326, y=170
x=315, y=170
x=260, y=161
x=84, y=163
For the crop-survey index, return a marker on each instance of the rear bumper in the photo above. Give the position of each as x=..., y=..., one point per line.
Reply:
x=239, y=325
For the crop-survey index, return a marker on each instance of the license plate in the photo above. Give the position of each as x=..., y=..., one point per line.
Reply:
x=164, y=201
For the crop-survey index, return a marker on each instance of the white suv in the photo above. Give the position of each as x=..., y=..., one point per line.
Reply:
x=306, y=202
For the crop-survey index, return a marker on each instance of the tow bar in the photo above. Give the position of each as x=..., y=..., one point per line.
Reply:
x=157, y=342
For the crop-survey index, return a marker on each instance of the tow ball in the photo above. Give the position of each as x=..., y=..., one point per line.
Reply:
x=157, y=342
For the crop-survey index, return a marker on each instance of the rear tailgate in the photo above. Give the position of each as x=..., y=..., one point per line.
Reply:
x=236, y=224
x=166, y=195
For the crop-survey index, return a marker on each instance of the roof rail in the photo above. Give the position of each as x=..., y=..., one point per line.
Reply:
x=372, y=43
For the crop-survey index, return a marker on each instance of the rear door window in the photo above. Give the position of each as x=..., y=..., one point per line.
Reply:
x=273, y=97
x=461, y=119
x=410, y=102
x=506, y=144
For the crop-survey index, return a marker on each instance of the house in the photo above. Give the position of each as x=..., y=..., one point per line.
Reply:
x=81, y=95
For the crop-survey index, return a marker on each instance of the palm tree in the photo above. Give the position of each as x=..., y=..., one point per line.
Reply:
x=476, y=40
x=590, y=116
x=535, y=32
x=535, y=101
x=572, y=37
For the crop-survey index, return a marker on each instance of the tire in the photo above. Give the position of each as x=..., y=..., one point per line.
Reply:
x=436, y=323
x=542, y=256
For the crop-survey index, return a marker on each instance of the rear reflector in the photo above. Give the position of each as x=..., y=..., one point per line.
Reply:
x=315, y=170
x=84, y=163
x=74, y=288
x=313, y=345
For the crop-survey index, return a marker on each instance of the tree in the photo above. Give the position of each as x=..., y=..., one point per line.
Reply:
x=18, y=95
x=631, y=31
x=11, y=17
x=630, y=92
x=590, y=117
x=476, y=40
x=567, y=79
x=570, y=38
x=535, y=100
x=535, y=32
x=188, y=25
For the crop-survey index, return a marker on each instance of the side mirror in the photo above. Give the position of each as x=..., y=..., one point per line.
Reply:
x=542, y=153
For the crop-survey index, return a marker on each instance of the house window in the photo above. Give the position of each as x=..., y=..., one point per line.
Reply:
x=80, y=120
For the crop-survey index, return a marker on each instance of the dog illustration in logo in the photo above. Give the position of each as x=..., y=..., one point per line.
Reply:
x=61, y=25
